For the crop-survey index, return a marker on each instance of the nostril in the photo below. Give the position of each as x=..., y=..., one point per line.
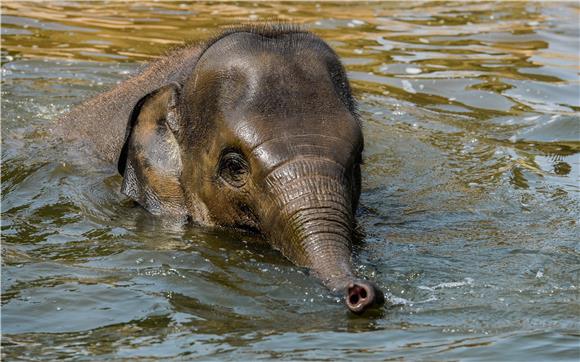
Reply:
x=357, y=294
x=353, y=299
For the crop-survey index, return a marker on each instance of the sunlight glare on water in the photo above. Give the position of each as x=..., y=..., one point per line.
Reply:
x=470, y=193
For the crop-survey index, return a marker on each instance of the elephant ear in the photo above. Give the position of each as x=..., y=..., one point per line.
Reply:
x=150, y=160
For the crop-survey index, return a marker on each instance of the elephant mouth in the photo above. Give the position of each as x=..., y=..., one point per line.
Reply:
x=247, y=230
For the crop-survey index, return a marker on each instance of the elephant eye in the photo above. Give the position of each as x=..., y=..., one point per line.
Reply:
x=234, y=169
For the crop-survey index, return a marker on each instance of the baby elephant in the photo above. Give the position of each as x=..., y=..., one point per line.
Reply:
x=256, y=130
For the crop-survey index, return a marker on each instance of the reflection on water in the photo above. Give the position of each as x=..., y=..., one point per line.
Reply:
x=470, y=202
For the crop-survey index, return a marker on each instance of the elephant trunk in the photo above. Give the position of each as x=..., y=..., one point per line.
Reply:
x=312, y=225
x=327, y=247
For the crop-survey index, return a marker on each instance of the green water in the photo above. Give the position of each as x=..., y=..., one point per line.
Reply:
x=470, y=197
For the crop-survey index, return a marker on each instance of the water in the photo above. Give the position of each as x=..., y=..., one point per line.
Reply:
x=470, y=197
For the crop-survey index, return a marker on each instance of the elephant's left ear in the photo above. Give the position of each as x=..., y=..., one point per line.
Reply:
x=150, y=159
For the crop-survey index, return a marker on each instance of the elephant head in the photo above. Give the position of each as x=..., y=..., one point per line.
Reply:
x=263, y=136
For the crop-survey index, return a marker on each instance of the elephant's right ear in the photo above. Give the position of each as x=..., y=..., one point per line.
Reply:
x=150, y=160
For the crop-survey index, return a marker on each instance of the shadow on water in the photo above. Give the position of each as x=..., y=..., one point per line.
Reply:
x=469, y=206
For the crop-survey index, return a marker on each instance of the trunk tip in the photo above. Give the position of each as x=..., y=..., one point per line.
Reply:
x=362, y=295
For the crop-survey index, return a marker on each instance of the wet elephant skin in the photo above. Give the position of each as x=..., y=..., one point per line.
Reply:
x=255, y=130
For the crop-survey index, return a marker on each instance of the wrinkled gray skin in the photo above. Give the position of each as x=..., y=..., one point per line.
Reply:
x=255, y=130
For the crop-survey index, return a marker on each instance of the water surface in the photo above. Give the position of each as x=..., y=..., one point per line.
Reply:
x=470, y=196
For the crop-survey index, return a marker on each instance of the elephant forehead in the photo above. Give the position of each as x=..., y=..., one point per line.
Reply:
x=276, y=151
x=266, y=110
x=269, y=82
x=253, y=129
x=272, y=142
x=284, y=100
x=250, y=51
x=265, y=74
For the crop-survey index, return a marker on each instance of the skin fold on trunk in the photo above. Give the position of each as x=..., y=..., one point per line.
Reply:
x=312, y=224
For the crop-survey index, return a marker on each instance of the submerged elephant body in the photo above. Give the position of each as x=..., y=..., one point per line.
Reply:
x=255, y=130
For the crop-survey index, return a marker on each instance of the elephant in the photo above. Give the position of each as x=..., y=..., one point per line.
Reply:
x=254, y=130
